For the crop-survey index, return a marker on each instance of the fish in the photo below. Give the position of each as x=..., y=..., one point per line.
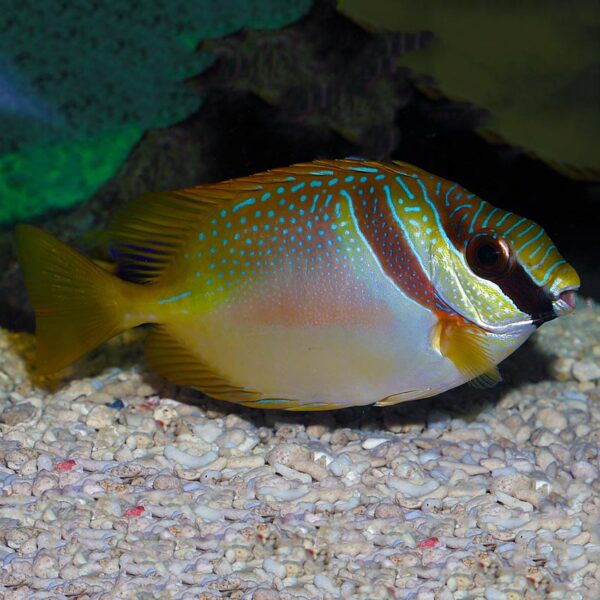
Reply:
x=321, y=285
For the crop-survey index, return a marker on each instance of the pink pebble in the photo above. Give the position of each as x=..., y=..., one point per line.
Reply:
x=136, y=511
x=65, y=466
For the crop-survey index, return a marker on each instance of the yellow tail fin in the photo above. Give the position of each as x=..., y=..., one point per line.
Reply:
x=77, y=304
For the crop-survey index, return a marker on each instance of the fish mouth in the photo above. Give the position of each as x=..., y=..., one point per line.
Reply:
x=565, y=301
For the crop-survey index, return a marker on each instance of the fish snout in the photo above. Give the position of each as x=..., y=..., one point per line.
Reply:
x=563, y=290
x=564, y=302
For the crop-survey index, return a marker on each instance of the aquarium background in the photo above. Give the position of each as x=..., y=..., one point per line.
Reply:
x=114, y=482
x=99, y=105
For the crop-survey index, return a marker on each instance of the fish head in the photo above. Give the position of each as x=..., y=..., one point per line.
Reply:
x=507, y=277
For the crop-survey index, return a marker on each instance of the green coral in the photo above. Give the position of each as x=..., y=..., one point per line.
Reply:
x=84, y=84
x=67, y=171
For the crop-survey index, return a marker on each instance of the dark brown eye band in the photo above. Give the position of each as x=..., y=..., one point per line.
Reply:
x=489, y=257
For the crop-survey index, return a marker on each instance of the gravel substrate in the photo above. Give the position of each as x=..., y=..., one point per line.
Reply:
x=116, y=484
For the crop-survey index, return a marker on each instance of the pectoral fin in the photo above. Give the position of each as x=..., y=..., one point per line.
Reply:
x=467, y=347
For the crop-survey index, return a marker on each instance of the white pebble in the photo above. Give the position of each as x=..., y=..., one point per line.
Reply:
x=265, y=594
x=207, y=432
x=324, y=583
x=274, y=567
x=245, y=462
x=44, y=462
x=584, y=470
x=561, y=368
x=586, y=370
x=191, y=461
x=386, y=510
x=289, y=473
x=551, y=419
x=43, y=482
x=208, y=514
x=341, y=465
x=371, y=443
x=413, y=490
x=45, y=566
x=101, y=416
x=512, y=502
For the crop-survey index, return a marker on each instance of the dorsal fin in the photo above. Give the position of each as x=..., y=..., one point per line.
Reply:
x=147, y=232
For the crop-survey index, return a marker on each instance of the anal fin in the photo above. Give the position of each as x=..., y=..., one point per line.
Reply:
x=406, y=396
x=180, y=365
x=172, y=359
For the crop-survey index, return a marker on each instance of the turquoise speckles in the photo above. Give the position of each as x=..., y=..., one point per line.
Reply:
x=448, y=193
x=175, y=298
x=407, y=191
x=502, y=219
x=514, y=226
x=314, y=203
x=240, y=205
x=362, y=169
x=526, y=231
x=551, y=270
x=457, y=208
x=322, y=172
x=531, y=241
x=486, y=221
x=477, y=213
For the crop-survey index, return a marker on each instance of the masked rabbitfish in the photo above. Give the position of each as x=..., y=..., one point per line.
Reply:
x=316, y=286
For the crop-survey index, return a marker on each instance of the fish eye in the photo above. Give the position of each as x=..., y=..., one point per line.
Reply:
x=489, y=257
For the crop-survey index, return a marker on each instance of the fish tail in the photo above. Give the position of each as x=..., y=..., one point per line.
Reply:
x=77, y=304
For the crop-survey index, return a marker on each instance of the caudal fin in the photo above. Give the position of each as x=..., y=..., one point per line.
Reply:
x=77, y=304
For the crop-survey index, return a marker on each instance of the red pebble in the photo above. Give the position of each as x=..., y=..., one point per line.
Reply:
x=65, y=466
x=160, y=423
x=136, y=511
x=149, y=404
x=431, y=542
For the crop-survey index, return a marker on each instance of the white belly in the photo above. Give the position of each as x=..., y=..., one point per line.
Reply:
x=357, y=362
